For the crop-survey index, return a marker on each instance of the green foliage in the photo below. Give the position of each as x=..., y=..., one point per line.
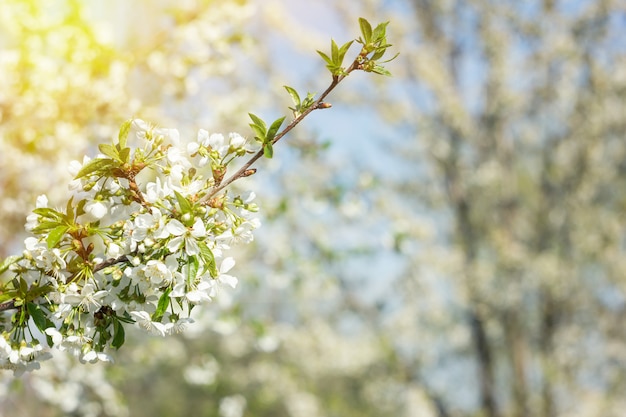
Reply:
x=100, y=167
x=271, y=133
x=334, y=62
x=264, y=135
x=39, y=317
x=208, y=259
x=56, y=235
x=299, y=106
x=7, y=262
x=164, y=302
x=374, y=42
x=119, y=334
x=374, y=48
x=122, y=136
x=184, y=204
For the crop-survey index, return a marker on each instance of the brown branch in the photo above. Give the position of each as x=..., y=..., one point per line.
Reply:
x=7, y=305
x=110, y=262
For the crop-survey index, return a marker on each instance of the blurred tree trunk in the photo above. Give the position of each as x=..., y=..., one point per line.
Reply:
x=515, y=339
x=526, y=220
x=466, y=234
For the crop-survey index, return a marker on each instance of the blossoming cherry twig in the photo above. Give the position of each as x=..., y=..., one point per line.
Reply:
x=144, y=236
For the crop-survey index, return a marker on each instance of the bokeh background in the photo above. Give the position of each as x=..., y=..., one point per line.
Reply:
x=447, y=242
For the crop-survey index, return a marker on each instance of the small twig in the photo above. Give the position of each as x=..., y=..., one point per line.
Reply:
x=110, y=262
x=318, y=104
x=7, y=305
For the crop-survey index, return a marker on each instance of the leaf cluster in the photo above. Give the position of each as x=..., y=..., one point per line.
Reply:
x=57, y=224
x=334, y=62
x=374, y=42
x=263, y=135
x=300, y=106
x=118, y=160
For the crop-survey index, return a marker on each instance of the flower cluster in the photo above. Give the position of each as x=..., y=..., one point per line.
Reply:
x=142, y=240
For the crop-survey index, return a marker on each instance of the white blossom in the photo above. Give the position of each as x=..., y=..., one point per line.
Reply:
x=165, y=245
x=96, y=209
x=144, y=321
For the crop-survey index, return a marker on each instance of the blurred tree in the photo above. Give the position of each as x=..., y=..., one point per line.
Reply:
x=522, y=124
x=526, y=131
x=507, y=213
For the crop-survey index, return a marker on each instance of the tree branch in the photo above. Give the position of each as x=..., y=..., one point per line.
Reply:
x=7, y=305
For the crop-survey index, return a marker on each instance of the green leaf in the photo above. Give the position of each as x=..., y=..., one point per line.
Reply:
x=80, y=208
x=185, y=205
x=96, y=166
x=308, y=101
x=69, y=210
x=39, y=291
x=379, y=32
x=123, y=135
x=378, y=54
x=258, y=121
x=380, y=70
x=259, y=127
x=342, y=51
x=164, y=302
x=119, y=335
x=208, y=259
x=271, y=133
x=126, y=318
x=45, y=226
x=392, y=58
x=6, y=296
x=23, y=285
x=326, y=58
x=8, y=262
x=366, y=29
x=48, y=213
x=334, y=50
x=109, y=150
x=259, y=133
x=268, y=150
x=55, y=235
x=38, y=316
x=125, y=155
x=295, y=97
x=192, y=270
